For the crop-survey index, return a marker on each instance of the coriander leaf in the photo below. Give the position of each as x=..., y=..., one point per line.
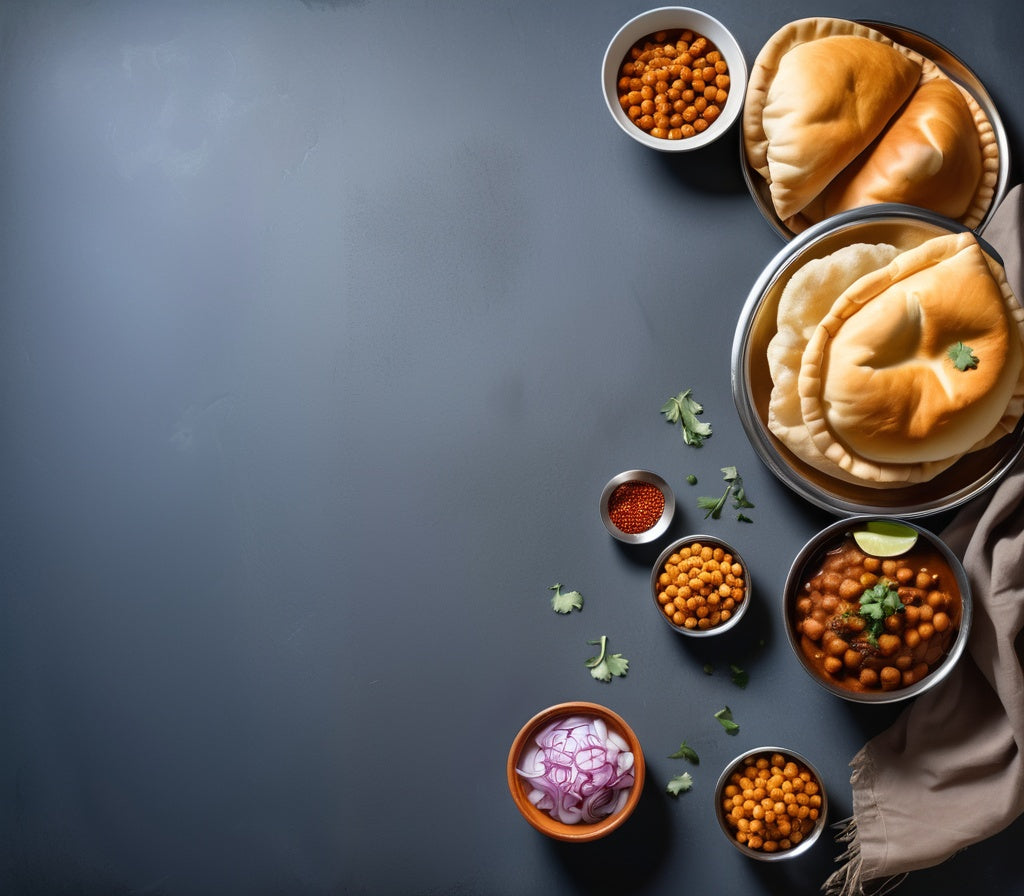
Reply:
x=740, y=500
x=709, y=669
x=687, y=752
x=684, y=410
x=565, y=602
x=680, y=784
x=691, y=479
x=962, y=356
x=725, y=717
x=733, y=487
x=877, y=603
x=605, y=665
x=739, y=677
x=713, y=506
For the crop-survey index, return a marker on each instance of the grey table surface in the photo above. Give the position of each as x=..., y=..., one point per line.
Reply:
x=323, y=325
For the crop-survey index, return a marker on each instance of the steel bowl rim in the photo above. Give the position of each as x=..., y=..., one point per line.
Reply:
x=819, y=824
x=667, y=514
x=734, y=620
x=814, y=544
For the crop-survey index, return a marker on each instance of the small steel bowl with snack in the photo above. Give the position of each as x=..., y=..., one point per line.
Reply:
x=771, y=804
x=876, y=609
x=701, y=586
x=576, y=771
x=673, y=79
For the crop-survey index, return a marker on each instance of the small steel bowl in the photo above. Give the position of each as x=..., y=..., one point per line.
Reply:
x=520, y=789
x=808, y=839
x=656, y=588
x=905, y=227
x=655, y=531
x=669, y=18
x=808, y=559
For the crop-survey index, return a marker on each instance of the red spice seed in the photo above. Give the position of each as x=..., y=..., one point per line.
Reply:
x=635, y=506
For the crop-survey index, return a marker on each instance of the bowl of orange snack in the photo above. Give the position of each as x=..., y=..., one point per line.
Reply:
x=674, y=78
x=771, y=804
x=701, y=586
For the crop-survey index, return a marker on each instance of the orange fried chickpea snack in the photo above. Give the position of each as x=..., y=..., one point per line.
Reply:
x=673, y=84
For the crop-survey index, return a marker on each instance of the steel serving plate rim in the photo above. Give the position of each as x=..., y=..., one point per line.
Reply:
x=952, y=66
x=840, y=527
x=742, y=385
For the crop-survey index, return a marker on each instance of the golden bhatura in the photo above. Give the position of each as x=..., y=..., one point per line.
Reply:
x=838, y=116
x=890, y=365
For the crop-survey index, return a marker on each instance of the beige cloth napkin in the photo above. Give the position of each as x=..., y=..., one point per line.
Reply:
x=962, y=743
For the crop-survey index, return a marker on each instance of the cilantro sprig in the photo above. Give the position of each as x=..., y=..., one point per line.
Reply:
x=724, y=716
x=565, y=601
x=877, y=604
x=680, y=784
x=683, y=782
x=962, y=356
x=605, y=664
x=684, y=410
x=733, y=488
x=686, y=752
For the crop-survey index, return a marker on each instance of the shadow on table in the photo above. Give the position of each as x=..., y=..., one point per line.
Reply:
x=626, y=859
x=716, y=168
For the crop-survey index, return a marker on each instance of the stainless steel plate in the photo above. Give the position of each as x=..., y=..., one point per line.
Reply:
x=956, y=69
x=904, y=227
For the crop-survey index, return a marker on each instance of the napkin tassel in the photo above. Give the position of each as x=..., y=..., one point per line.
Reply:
x=846, y=880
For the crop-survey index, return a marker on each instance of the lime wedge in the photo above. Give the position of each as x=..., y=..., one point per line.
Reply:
x=880, y=538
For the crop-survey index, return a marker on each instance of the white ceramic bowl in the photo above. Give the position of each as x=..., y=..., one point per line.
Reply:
x=667, y=18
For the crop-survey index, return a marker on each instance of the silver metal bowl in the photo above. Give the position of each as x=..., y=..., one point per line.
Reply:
x=713, y=542
x=828, y=539
x=905, y=227
x=952, y=66
x=781, y=855
x=660, y=527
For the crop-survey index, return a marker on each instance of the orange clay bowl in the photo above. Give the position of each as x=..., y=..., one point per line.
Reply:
x=520, y=788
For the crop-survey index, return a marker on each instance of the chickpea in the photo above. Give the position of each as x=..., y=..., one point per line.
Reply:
x=888, y=644
x=852, y=660
x=812, y=628
x=889, y=677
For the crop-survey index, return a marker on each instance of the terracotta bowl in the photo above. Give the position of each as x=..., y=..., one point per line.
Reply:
x=520, y=786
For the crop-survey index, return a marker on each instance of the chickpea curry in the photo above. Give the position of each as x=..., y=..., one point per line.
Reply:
x=868, y=623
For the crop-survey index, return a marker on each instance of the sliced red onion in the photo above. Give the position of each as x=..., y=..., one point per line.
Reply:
x=580, y=771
